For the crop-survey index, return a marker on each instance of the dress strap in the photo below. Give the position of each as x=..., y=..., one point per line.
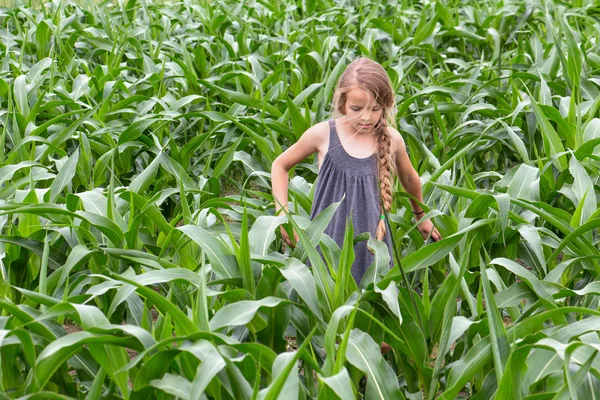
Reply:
x=334, y=139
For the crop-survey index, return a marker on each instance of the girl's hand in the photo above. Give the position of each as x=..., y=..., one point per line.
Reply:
x=286, y=237
x=426, y=227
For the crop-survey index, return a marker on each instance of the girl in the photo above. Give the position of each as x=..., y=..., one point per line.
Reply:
x=357, y=153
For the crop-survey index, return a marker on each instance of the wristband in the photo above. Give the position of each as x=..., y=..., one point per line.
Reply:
x=418, y=213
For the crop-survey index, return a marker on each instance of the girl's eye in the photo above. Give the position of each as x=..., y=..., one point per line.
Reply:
x=359, y=108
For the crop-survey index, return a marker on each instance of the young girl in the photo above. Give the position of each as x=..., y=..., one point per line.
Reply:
x=357, y=154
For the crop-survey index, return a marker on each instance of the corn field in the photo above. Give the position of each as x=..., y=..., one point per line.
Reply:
x=140, y=254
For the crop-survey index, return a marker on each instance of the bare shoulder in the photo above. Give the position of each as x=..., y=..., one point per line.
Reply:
x=320, y=129
x=318, y=135
x=397, y=139
x=314, y=139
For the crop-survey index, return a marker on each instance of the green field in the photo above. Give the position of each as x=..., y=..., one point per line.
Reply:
x=140, y=254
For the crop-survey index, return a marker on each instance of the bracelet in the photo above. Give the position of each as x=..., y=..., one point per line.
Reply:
x=418, y=213
x=382, y=217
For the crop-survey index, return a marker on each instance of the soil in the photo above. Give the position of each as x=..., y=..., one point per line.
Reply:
x=292, y=344
x=71, y=327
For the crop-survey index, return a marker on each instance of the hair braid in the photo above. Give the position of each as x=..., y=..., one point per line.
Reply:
x=385, y=163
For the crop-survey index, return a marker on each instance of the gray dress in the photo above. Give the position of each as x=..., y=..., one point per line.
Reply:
x=358, y=178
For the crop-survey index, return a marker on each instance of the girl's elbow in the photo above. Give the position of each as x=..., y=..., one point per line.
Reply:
x=416, y=180
x=415, y=177
x=278, y=165
x=411, y=179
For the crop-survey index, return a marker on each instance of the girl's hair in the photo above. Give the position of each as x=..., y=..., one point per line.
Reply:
x=370, y=76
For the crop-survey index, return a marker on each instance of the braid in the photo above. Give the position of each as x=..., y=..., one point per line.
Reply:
x=385, y=163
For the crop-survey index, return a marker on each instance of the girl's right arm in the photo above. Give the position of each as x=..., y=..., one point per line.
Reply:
x=310, y=142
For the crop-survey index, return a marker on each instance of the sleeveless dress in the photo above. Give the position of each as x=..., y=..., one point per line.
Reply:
x=340, y=174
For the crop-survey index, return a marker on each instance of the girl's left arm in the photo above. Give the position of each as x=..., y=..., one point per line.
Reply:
x=411, y=182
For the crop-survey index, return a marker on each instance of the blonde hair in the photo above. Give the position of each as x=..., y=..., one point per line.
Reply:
x=370, y=76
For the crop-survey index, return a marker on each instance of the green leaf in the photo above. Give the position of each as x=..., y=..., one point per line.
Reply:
x=430, y=254
x=242, y=312
x=242, y=98
x=56, y=257
x=552, y=143
x=243, y=256
x=531, y=280
x=533, y=243
x=499, y=339
x=183, y=324
x=263, y=233
x=443, y=314
x=60, y=137
x=344, y=281
x=175, y=385
x=211, y=364
x=64, y=177
x=520, y=187
x=60, y=350
x=316, y=227
x=7, y=172
x=285, y=383
x=583, y=188
x=299, y=124
x=518, y=143
x=574, y=61
x=365, y=354
x=425, y=28
x=21, y=95
x=35, y=73
x=289, y=386
x=263, y=145
x=481, y=353
x=136, y=129
x=298, y=275
x=340, y=383
x=222, y=259
x=226, y=159
x=252, y=167
x=141, y=182
x=43, y=32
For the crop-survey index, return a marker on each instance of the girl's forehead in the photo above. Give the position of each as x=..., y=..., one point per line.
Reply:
x=360, y=96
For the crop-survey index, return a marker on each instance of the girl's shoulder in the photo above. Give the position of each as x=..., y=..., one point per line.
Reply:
x=321, y=127
x=394, y=133
x=318, y=133
x=397, y=139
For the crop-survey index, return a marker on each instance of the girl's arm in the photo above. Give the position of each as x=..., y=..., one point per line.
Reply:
x=408, y=176
x=310, y=142
x=412, y=184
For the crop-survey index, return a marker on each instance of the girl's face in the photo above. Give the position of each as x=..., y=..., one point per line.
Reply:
x=361, y=110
